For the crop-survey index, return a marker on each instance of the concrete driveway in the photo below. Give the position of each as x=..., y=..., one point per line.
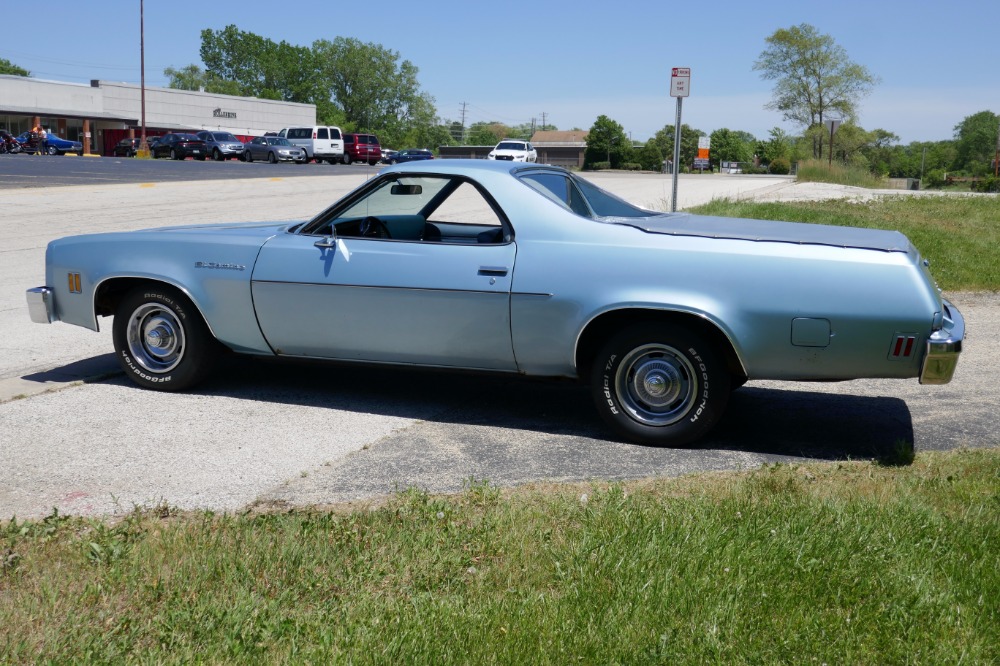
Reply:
x=291, y=434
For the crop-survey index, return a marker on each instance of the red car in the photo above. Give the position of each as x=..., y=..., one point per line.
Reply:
x=361, y=148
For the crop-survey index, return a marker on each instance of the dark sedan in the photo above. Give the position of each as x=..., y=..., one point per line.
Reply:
x=126, y=147
x=178, y=146
x=411, y=155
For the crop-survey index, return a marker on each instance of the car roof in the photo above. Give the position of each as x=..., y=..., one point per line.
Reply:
x=467, y=167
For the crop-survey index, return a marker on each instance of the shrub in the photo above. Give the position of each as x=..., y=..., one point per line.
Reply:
x=780, y=166
x=934, y=178
x=988, y=184
x=599, y=166
x=632, y=166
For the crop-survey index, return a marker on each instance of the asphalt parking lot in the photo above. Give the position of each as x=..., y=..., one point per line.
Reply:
x=76, y=436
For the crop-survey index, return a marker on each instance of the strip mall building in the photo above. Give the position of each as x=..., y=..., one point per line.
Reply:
x=101, y=114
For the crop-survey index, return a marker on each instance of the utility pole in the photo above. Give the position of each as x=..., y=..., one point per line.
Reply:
x=996, y=157
x=543, y=120
x=143, y=146
x=464, y=105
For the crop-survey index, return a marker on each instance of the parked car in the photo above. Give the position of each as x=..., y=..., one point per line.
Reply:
x=521, y=269
x=387, y=154
x=221, y=145
x=319, y=142
x=361, y=148
x=411, y=155
x=514, y=150
x=273, y=149
x=178, y=146
x=126, y=147
x=152, y=142
x=60, y=146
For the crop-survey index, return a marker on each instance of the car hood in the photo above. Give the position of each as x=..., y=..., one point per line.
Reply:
x=766, y=231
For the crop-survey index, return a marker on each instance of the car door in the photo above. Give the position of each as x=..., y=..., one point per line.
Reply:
x=390, y=300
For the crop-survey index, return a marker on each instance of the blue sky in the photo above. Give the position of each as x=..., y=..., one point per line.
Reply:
x=570, y=61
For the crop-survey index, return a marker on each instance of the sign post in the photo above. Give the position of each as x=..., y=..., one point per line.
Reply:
x=831, y=125
x=680, y=87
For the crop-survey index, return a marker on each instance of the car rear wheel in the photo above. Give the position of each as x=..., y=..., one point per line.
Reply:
x=161, y=341
x=347, y=158
x=660, y=385
x=53, y=150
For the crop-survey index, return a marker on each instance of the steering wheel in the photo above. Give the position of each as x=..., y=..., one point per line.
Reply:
x=372, y=227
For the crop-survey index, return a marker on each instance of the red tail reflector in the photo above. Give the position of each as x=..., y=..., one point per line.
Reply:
x=902, y=346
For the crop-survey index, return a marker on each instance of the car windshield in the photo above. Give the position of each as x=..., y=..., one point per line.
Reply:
x=224, y=136
x=279, y=141
x=510, y=145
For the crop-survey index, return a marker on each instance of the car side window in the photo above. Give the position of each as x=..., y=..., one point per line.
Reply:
x=560, y=189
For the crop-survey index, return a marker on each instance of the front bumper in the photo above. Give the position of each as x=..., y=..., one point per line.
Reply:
x=41, y=305
x=943, y=348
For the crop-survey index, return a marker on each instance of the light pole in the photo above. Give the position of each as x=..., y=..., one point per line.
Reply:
x=143, y=146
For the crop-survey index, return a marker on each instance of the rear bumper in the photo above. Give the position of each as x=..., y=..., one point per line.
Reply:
x=40, y=305
x=943, y=348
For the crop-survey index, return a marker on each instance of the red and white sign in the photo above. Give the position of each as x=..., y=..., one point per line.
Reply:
x=680, y=82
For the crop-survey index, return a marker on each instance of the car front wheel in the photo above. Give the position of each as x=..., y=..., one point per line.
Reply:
x=660, y=385
x=161, y=341
x=272, y=158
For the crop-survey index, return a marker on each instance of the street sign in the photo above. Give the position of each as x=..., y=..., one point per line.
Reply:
x=680, y=82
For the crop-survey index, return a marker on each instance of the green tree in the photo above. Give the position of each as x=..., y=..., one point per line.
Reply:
x=7, y=67
x=731, y=146
x=374, y=88
x=487, y=133
x=779, y=146
x=607, y=142
x=261, y=67
x=650, y=157
x=193, y=78
x=976, y=143
x=814, y=78
x=664, y=140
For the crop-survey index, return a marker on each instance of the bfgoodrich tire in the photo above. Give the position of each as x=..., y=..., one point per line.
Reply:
x=161, y=340
x=660, y=385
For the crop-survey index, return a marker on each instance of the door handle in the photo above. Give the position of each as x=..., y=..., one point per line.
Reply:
x=494, y=271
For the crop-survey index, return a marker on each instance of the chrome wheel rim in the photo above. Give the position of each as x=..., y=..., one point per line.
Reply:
x=656, y=385
x=155, y=338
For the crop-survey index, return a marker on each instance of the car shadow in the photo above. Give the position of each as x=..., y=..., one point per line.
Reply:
x=799, y=423
x=777, y=422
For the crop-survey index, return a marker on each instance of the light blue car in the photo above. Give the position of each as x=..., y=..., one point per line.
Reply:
x=524, y=269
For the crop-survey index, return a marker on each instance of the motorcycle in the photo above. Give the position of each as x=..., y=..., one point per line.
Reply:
x=9, y=144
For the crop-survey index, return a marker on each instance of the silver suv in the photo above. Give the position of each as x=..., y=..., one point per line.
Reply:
x=221, y=145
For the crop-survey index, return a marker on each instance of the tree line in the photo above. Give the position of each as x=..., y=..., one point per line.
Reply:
x=366, y=87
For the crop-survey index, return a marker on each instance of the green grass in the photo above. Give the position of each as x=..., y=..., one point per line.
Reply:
x=858, y=563
x=960, y=235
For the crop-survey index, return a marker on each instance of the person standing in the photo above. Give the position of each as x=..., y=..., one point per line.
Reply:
x=43, y=141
